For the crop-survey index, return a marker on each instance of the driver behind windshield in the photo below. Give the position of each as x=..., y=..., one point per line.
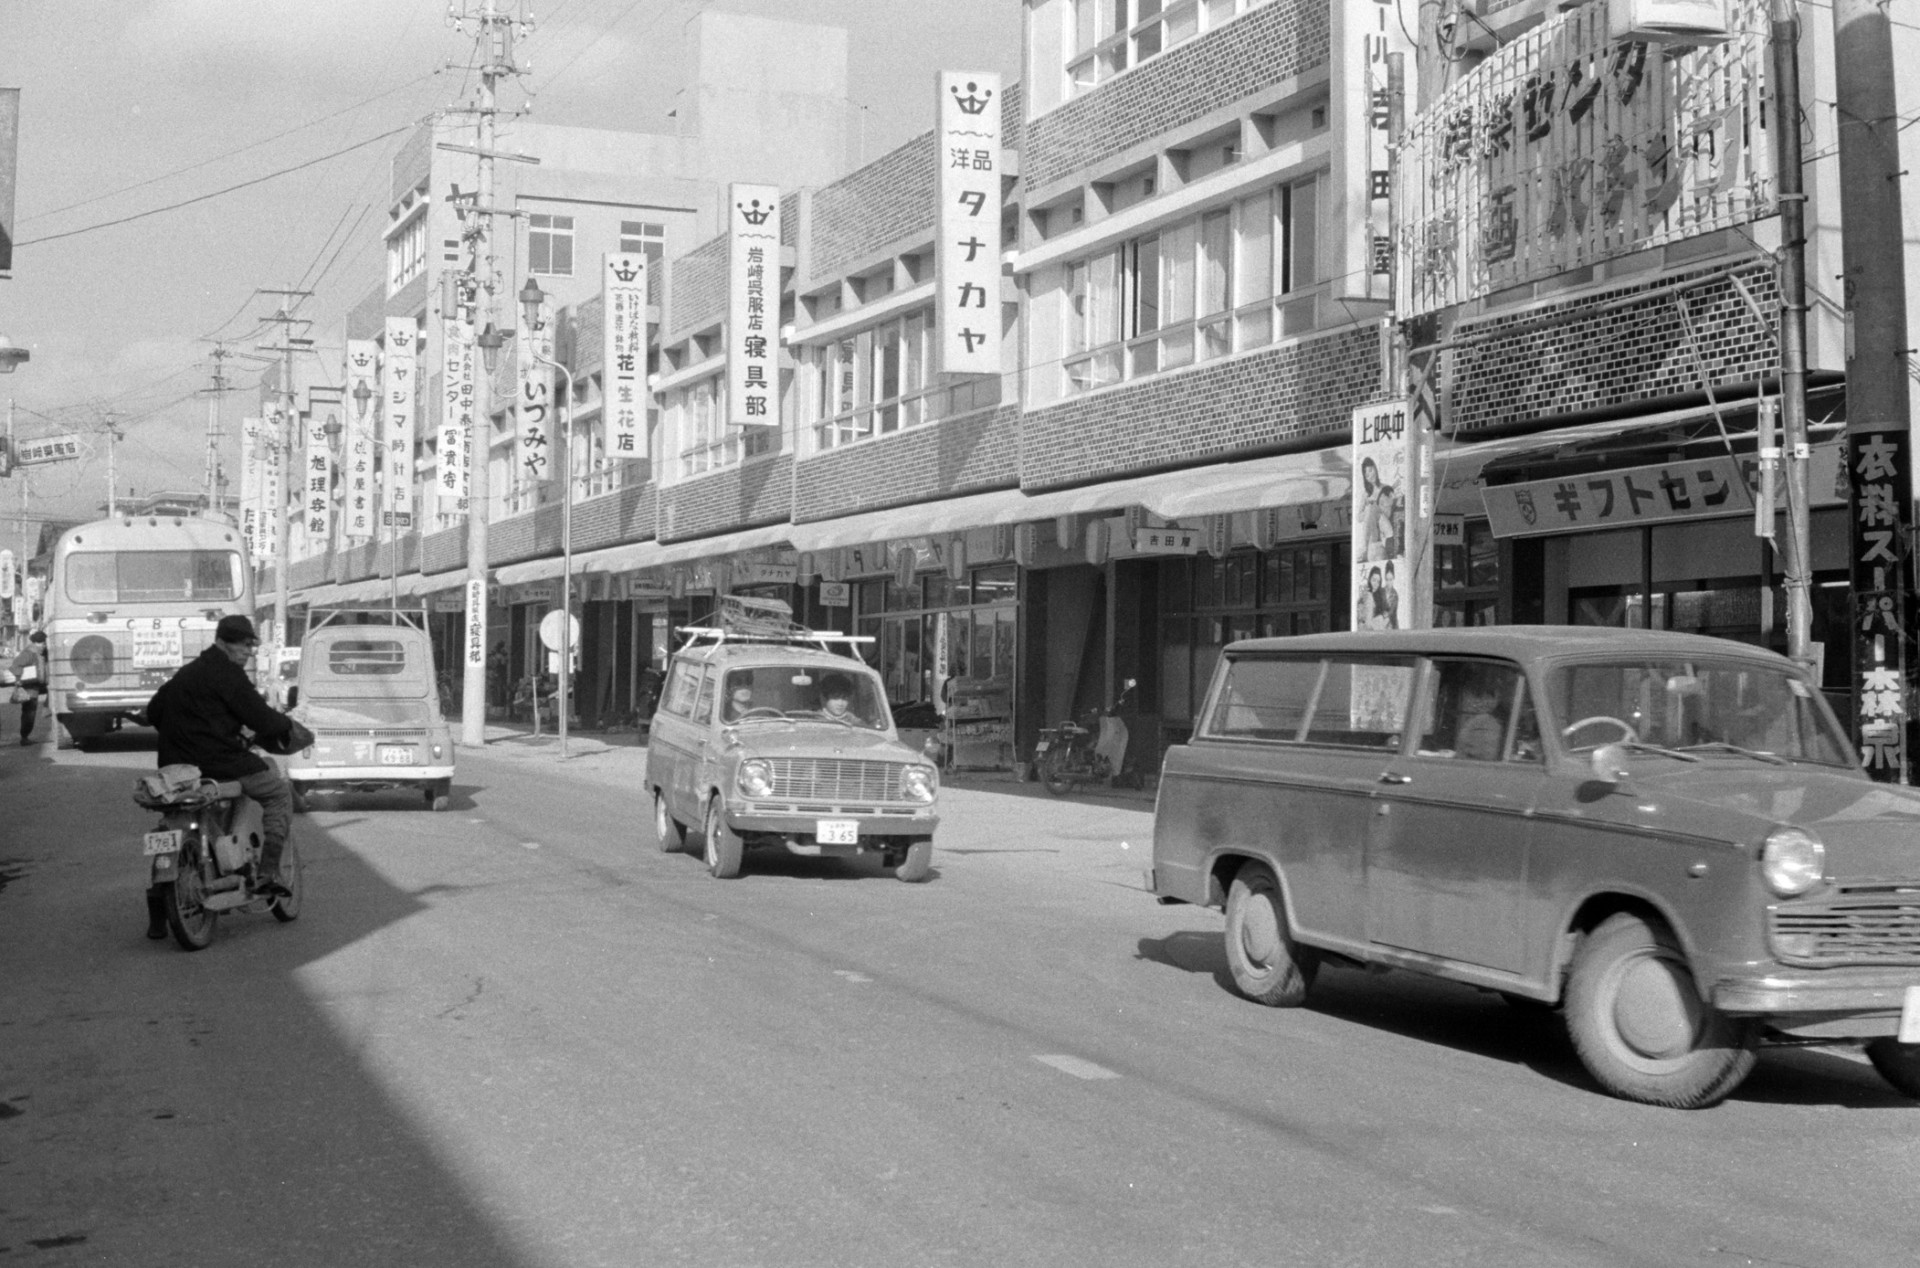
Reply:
x=836, y=698
x=199, y=713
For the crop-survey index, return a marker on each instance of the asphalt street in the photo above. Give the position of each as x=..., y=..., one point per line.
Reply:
x=517, y=1034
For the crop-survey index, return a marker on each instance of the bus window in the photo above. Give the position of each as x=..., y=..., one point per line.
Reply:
x=153, y=576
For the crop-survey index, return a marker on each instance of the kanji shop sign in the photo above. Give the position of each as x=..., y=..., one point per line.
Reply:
x=966, y=250
x=1359, y=222
x=1171, y=540
x=316, y=496
x=624, y=323
x=401, y=400
x=30, y=453
x=753, y=305
x=1879, y=466
x=534, y=453
x=363, y=362
x=1695, y=489
x=454, y=447
x=1565, y=148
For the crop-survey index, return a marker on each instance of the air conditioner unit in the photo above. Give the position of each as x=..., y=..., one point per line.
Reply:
x=1669, y=21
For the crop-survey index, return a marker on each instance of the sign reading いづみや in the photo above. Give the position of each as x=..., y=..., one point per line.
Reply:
x=624, y=325
x=400, y=397
x=753, y=305
x=534, y=452
x=966, y=250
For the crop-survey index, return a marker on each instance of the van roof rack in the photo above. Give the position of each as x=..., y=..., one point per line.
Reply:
x=744, y=619
x=318, y=618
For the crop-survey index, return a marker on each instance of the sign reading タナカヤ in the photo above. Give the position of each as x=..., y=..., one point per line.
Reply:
x=966, y=249
x=753, y=305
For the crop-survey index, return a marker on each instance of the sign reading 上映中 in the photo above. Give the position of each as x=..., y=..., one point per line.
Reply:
x=753, y=304
x=966, y=251
x=624, y=326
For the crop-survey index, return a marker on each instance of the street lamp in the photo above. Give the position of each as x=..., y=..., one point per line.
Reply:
x=531, y=297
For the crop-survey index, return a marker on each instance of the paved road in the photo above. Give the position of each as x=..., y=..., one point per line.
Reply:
x=516, y=1034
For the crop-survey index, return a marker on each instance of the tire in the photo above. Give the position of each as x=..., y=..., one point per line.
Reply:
x=294, y=876
x=1267, y=965
x=63, y=738
x=1054, y=773
x=439, y=795
x=1637, y=1020
x=918, y=864
x=668, y=836
x=191, y=924
x=1898, y=1063
x=723, y=845
x=300, y=803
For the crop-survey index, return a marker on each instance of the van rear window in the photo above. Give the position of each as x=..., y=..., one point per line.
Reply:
x=1351, y=702
x=353, y=657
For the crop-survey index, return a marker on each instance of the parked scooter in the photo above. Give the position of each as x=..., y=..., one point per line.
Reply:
x=203, y=852
x=1093, y=751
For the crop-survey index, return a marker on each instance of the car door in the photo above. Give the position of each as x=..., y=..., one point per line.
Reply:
x=1453, y=819
x=672, y=739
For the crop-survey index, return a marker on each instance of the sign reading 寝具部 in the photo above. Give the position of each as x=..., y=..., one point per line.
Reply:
x=753, y=305
x=624, y=323
x=966, y=252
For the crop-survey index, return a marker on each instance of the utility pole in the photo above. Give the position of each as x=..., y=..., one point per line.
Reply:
x=113, y=435
x=1879, y=439
x=1793, y=328
x=213, y=394
x=282, y=441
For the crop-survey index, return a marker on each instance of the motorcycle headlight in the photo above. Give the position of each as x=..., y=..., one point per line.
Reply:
x=1791, y=861
x=919, y=783
x=755, y=778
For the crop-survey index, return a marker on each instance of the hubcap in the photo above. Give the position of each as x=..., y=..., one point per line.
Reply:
x=1260, y=931
x=1655, y=1010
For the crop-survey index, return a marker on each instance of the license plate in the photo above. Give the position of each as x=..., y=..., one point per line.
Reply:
x=162, y=842
x=837, y=831
x=1042, y=746
x=396, y=755
x=1910, y=1017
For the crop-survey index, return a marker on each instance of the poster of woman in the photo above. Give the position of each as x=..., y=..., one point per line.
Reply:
x=1379, y=517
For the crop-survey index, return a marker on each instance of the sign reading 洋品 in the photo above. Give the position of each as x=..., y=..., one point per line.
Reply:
x=753, y=305
x=401, y=401
x=1567, y=147
x=1694, y=489
x=624, y=325
x=966, y=250
x=31, y=453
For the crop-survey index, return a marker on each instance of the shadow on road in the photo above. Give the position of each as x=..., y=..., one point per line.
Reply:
x=163, y=1107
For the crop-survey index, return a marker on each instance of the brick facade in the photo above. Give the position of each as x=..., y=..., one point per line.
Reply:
x=1278, y=41
x=1295, y=396
x=754, y=493
x=698, y=295
x=968, y=454
x=1637, y=352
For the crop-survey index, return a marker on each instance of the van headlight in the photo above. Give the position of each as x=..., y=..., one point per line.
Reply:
x=919, y=783
x=755, y=777
x=1792, y=861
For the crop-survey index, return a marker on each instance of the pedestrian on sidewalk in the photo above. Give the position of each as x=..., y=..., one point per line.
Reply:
x=30, y=679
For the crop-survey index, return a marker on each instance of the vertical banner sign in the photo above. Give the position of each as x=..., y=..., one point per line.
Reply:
x=966, y=253
x=400, y=398
x=1384, y=459
x=362, y=495
x=624, y=323
x=273, y=487
x=476, y=632
x=753, y=305
x=455, y=448
x=316, y=499
x=535, y=449
x=1880, y=469
x=6, y=574
x=1358, y=252
x=252, y=515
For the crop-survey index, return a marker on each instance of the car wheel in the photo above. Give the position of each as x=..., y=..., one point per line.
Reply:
x=1267, y=965
x=918, y=864
x=723, y=844
x=1898, y=1063
x=1637, y=1020
x=668, y=835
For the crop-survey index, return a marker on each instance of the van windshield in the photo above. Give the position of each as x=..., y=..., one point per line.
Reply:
x=152, y=576
x=849, y=697
x=1695, y=705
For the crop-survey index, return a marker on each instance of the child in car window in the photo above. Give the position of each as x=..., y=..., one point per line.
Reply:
x=1480, y=736
x=836, y=698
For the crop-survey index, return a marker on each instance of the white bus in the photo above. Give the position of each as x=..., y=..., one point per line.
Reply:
x=130, y=600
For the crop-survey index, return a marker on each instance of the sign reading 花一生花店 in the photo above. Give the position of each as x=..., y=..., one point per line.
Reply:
x=753, y=305
x=1693, y=489
x=28, y=453
x=966, y=249
x=624, y=321
x=1567, y=147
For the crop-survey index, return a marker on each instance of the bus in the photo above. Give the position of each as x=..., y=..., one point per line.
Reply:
x=129, y=600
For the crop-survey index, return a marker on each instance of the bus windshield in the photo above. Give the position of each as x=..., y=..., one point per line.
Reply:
x=153, y=576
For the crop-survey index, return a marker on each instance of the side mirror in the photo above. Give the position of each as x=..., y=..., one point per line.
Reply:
x=1610, y=764
x=1131, y=683
x=293, y=696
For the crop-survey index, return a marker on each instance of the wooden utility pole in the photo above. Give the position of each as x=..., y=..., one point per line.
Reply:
x=282, y=442
x=1793, y=327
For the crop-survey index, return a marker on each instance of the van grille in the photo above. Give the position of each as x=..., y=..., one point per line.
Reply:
x=835, y=779
x=1860, y=922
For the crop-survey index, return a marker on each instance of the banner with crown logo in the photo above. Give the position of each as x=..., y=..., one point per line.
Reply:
x=966, y=251
x=624, y=325
x=402, y=402
x=753, y=305
x=362, y=499
x=534, y=452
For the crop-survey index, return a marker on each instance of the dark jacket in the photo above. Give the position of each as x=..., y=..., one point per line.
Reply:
x=199, y=713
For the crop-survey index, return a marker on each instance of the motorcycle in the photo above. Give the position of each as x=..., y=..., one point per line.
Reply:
x=202, y=853
x=1093, y=751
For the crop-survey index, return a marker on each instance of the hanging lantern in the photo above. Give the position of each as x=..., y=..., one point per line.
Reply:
x=904, y=563
x=1065, y=528
x=804, y=569
x=1136, y=518
x=956, y=558
x=833, y=566
x=1097, y=532
x=1023, y=545
x=1002, y=540
x=1266, y=528
x=1216, y=529
x=677, y=583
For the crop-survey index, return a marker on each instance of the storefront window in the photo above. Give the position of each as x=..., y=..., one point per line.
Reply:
x=904, y=621
x=1466, y=579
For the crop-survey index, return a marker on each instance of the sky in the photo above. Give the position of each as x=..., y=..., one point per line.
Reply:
x=131, y=106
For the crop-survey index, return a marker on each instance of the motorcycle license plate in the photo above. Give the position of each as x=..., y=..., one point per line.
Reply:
x=163, y=842
x=837, y=831
x=1910, y=1017
x=1042, y=746
x=396, y=755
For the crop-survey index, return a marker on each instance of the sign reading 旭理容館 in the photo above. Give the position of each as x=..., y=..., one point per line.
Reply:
x=753, y=305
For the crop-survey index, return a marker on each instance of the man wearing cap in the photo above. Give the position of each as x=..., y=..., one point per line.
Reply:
x=30, y=677
x=199, y=714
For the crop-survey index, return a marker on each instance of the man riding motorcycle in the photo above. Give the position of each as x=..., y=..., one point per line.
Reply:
x=199, y=713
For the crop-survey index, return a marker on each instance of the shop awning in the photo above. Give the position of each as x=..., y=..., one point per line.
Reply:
x=440, y=581
x=1294, y=479
x=529, y=570
x=635, y=555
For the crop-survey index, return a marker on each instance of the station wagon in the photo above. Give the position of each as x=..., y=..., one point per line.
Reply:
x=1664, y=835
